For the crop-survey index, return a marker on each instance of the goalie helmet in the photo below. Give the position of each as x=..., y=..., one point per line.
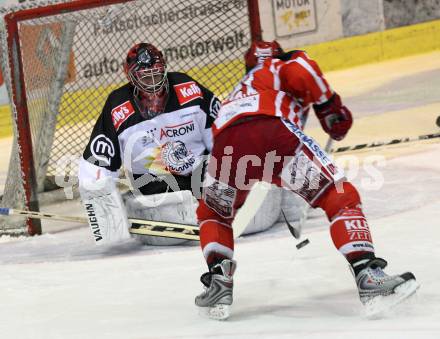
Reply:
x=146, y=70
x=259, y=51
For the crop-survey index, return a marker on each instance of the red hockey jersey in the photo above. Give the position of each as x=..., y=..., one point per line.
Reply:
x=283, y=87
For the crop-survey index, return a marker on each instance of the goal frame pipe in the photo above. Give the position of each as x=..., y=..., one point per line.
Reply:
x=254, y=20
x=18, y=89
x=21, y=114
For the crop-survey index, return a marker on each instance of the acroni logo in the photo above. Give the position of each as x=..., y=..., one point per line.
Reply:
x=177, y=130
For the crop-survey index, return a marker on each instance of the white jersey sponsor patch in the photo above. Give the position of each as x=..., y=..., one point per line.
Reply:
x=187, y=92
x=102, y=149
x=121, y=113
x=219, y=196
x=233, y=108
x=304, y=177
x=162, y=145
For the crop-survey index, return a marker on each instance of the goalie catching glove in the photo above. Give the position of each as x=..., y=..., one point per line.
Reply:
x=335, y=118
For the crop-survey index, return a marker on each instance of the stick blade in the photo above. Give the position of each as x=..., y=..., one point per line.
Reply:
x=295, y=232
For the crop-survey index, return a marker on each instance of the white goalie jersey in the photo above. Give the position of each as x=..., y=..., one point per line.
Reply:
x=159, y=155
x=162, y=152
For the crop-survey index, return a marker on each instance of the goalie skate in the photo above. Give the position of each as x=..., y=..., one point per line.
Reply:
x=215, y=301
x=380, y=292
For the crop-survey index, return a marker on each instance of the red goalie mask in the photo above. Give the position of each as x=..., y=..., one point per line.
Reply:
x=261, y=50
x=146, y=68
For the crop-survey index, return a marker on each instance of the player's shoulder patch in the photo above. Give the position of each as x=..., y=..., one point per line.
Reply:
x=187, y=92
x=121, y=113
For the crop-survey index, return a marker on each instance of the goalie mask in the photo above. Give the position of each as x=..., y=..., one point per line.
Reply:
x=146, y=70
x=259, y=51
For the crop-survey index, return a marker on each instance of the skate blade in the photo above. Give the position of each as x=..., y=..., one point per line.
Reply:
x=379, y=306
x=216, y=312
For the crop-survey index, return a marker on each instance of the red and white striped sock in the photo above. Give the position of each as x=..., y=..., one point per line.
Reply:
x=351, y=234
x=216, y=240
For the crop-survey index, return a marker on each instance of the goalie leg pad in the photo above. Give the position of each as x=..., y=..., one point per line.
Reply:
x=178, y=207
x=292, y=205
x=105, y=210
x=267, y=213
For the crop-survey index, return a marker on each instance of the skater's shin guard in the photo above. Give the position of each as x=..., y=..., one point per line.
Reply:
x=217, y=241
x=351, y=234
x=216, y=236
x=340, y=196
x=349, y=228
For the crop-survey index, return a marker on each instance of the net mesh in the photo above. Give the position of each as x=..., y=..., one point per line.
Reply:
x=72, y=61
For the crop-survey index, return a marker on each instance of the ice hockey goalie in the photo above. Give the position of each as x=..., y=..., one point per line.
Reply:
x=157, y=127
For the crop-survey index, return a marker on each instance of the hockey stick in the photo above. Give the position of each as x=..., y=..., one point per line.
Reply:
x=384, y=143
x=253, y=202
x=296, y=231
x=138, y=226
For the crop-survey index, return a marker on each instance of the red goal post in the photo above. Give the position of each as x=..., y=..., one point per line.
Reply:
x=60, y=60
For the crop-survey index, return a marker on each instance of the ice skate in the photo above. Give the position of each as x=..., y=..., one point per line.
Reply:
x=216, y=299
x=380, y=292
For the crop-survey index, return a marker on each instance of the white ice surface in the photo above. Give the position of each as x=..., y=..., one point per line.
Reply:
x=60, y=285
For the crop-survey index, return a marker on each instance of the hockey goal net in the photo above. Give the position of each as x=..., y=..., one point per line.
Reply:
x=61, y=59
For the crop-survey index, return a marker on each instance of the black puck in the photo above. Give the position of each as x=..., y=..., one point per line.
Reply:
x=302, y=244
x=438, y=121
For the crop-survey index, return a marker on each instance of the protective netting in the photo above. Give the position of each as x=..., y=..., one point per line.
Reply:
x=72, y=61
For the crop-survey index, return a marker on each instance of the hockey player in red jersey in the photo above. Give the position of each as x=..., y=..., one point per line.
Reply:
x=258, y=136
